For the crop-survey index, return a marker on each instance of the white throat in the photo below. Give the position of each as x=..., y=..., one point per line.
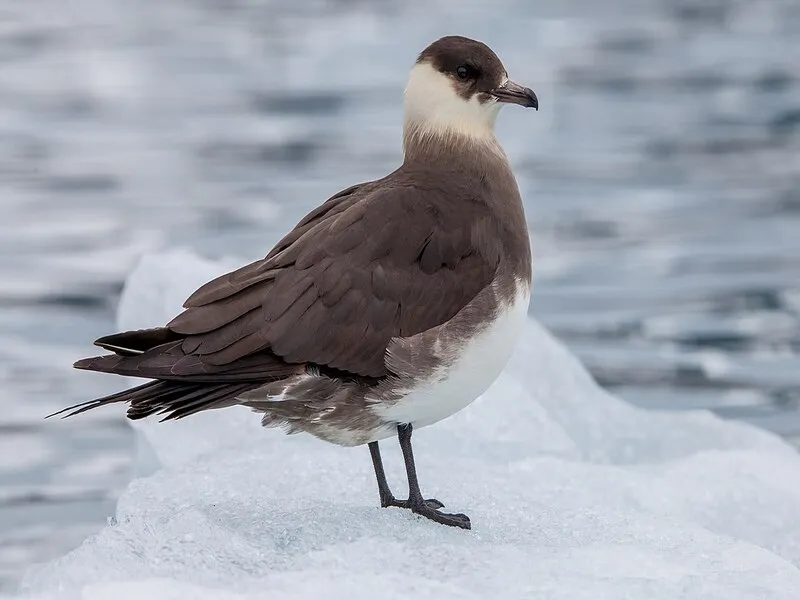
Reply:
x=433, y=107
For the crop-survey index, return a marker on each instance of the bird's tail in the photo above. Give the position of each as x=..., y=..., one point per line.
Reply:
x=154, y=354
x=173, y=399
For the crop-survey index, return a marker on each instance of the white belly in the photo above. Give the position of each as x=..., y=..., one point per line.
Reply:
x=479, y=363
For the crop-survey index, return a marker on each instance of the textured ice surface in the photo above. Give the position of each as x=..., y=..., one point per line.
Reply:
x=573, y=494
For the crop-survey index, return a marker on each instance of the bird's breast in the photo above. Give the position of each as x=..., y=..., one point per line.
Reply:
x=471, y=355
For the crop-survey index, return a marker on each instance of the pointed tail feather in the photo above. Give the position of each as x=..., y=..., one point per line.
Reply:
x=181, y=384
x=144, y=390
x=174, y=399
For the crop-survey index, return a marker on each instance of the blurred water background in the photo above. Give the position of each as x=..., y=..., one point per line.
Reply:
x=661, y=179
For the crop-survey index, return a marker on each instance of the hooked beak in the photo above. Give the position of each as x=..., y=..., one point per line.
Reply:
x=514, y=93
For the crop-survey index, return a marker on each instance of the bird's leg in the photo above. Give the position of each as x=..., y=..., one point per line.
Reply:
x=387, y=499
x=417, y=504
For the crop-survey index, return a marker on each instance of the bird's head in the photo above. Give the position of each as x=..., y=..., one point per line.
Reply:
x=456, y=88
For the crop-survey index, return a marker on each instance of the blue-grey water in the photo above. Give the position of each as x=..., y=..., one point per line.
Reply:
x=661, y=179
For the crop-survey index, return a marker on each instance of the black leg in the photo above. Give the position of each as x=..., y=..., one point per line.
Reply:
x=387, y=498
x=425, y=508
x=383, y=486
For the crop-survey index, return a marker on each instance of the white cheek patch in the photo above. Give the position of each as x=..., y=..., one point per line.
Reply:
x=432, y=104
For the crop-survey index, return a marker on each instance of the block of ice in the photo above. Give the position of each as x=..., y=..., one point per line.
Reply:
x=573, y=494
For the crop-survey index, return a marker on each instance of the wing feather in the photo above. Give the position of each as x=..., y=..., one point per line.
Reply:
x=347, y=278
x=371, y=264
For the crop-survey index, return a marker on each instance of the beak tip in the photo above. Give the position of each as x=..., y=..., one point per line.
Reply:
x=533, y=100
x=513, y=93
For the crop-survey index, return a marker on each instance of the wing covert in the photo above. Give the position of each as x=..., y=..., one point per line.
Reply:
x=345, y=281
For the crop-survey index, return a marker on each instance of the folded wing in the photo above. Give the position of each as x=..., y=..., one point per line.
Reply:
x=365, y=267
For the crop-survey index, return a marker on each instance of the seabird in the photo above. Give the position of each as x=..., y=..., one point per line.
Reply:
x=391, y=306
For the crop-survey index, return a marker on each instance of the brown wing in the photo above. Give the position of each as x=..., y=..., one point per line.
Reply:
x=361, y=269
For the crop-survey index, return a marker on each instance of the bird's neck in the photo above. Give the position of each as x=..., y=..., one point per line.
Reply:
x=424, y=141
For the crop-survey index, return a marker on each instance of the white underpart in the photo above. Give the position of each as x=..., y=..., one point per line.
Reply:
x=479, y=363
x=432, y=105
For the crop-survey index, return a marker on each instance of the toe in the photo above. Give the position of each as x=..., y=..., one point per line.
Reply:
x=434, y=503
x=461, y=520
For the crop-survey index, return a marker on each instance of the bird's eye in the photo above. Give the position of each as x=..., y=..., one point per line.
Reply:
x=463, y=72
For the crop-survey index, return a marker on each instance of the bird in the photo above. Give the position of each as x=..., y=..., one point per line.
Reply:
x=389, y=307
